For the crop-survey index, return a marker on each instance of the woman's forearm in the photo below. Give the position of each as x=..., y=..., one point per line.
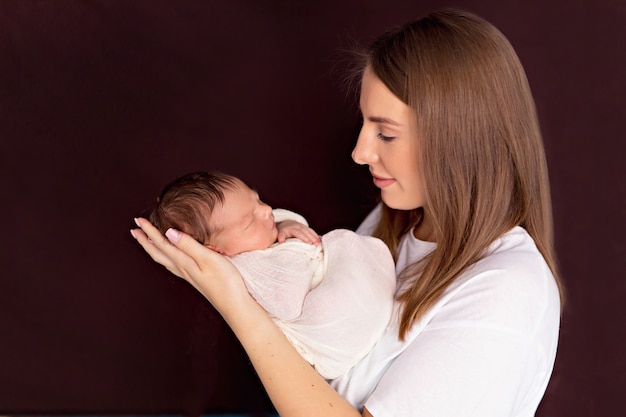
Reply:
x=292, y=384
x=294, y=387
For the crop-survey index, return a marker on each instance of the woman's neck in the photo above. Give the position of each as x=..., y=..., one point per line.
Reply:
x=424, y=230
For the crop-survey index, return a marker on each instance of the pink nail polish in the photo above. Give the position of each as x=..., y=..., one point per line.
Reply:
x=137, y=222
x=173, y=235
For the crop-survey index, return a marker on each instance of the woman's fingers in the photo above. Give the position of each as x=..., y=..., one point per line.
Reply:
x=207, y=264
x=147, y=244
x=209, y=272
x=184, y=256
x=162, y=251
x=190, y=247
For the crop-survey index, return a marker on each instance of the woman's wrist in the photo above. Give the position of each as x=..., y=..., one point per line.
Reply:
x=292, y=384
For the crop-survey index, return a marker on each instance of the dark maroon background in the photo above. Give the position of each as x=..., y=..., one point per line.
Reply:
x=102, y=102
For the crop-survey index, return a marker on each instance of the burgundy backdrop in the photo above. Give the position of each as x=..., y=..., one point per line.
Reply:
x=103, y=102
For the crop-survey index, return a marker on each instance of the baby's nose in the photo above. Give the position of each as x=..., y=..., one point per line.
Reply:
x=266, y=210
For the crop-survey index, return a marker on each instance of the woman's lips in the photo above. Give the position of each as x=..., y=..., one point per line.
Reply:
x=382, y=182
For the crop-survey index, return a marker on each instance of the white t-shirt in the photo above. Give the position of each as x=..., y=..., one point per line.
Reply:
x=486, y=349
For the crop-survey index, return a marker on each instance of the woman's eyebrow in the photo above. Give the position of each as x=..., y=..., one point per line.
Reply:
x=383, y=120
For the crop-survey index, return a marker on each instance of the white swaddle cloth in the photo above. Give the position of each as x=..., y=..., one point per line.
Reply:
x=332, y=301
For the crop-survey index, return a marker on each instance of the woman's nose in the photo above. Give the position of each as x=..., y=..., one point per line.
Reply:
x=364, y=152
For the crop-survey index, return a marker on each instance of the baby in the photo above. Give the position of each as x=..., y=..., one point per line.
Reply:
x=332, y=296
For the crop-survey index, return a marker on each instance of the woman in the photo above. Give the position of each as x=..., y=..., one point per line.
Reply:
x=451, y=137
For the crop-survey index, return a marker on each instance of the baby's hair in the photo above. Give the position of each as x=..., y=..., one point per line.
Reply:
x=186, y=204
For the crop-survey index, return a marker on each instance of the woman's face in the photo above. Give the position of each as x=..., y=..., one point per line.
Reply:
x=388, y=144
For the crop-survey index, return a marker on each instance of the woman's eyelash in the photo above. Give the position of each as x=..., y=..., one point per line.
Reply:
x=385, y=138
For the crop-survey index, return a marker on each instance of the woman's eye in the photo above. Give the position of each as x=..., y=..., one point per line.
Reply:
x=385, y=138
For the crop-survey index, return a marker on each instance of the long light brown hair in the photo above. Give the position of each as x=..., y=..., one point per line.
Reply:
x=481, y=151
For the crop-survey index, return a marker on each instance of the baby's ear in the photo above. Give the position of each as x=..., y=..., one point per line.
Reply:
x=214, y=249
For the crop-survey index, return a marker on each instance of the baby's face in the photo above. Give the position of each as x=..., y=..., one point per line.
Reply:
x=243, y=223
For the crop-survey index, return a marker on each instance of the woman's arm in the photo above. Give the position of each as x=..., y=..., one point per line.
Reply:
x=294, y=387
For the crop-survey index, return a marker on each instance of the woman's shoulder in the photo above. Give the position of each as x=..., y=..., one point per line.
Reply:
x=515, y=253
x=512, y=260
x=511, y=285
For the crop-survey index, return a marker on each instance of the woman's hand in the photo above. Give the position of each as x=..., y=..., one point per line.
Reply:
x=294, y=387
x=209, y=272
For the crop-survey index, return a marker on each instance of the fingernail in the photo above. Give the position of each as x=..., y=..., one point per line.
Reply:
x=173, y=235
x=132, y=232
x=137, y=222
